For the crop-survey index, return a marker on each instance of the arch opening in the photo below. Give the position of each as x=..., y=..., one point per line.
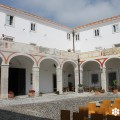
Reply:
x=91, y=76
x=48, y=78
x=20, y=72
x=112, y=73
x=68, y=77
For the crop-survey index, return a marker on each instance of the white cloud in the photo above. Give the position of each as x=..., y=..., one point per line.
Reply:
x=70, y=12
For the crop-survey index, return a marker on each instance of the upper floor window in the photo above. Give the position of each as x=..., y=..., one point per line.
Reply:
x=9, y=20
x=33, y=27
x=115, y=28
x=77, y=37
x=68, y=36
x=97, y=32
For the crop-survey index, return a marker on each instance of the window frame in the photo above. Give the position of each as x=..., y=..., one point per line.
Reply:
x=77, y=37
x=68, y=36
x=31, y=27
x=13, y=20
x=114, y=28
x=96, y=34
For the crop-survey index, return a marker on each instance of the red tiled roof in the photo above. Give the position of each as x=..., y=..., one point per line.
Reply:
x=59, y=25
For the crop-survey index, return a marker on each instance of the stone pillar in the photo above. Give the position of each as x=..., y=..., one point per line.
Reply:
x=4, y=81
x=103, y=79
x=76, y=80
x=59, y=80
x=35, y=79
x=81, y=76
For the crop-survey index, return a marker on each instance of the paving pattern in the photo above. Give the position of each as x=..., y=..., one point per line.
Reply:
x=46, y=107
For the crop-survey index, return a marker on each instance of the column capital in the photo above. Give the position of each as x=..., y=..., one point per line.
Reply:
x=5, y=65
x=104, y=68
x=35, y=67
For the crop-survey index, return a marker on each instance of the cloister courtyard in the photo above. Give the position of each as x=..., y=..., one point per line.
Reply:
x=47, y=106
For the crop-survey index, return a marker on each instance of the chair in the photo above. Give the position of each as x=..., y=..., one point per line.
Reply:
x=117, y=101
x=91, y=108
x=106, y=102
x=100, y=111
x=65, y=114
x=112, y=117
x=117, y=105
x=106, y=107
x=84, y=111
x=95, y=116
x=113, y=107
x=78, y=116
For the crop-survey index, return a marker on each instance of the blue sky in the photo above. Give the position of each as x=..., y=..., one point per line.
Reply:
x=70, y=13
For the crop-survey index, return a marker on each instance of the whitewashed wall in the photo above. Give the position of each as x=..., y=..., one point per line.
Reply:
x=107, y=38
x=45, y=35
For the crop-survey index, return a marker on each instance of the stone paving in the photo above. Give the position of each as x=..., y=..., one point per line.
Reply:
x=47, y=107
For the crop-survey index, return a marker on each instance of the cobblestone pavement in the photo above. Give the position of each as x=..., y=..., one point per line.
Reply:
x=46, y=107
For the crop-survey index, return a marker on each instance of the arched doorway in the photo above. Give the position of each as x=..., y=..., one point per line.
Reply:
x=91, y=75
x=112, y=72
x=48, y=78
x=68, y=76
x=20, y=75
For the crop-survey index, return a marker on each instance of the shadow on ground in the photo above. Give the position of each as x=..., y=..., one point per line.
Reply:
x=8, y=115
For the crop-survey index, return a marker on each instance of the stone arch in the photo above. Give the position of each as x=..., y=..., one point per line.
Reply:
x=20, y=72
x=49, y=58
x=21, y=54
x=112, y=66
x=69, y=61
x=2, y=57
x=104, y=65
x=48, y=74
x=91, y=74
x=82, y=65
x=68, y=75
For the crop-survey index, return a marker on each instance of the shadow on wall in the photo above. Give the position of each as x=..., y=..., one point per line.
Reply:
x=8, y=115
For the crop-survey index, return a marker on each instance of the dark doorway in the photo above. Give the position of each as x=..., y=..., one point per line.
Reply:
x=54, y=83
x=17, y=81
x=112, y=76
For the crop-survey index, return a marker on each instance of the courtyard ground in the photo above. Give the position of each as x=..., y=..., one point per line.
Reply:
x=48, y=106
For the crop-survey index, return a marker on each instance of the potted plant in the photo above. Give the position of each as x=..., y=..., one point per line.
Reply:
x=80, y=88
x=115, y=89
x=31, y=93
x=97, y=91
x=69, y=50
x=10, y=94
x=40, y=93
x=57, y=92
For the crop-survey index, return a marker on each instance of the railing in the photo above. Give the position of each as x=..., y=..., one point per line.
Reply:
x=90, y=54
x=18, y=47
x=33, y=49
x=104, y=52
x=111, y=51
x=56, y=52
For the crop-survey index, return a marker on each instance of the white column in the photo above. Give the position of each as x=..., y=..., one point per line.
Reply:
x=76, y=80
x=59, y=80
x=35, y=78
x=103, y=79
x=81, y=76
x=4, y=81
